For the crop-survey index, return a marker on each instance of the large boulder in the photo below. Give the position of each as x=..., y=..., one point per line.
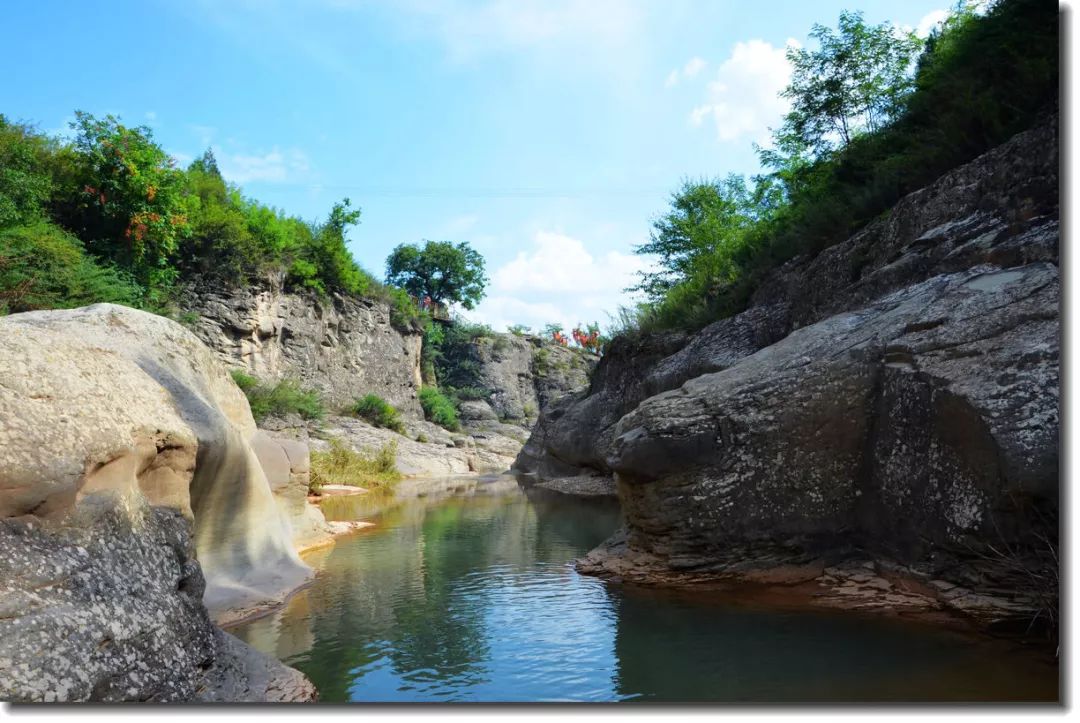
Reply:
x=894, y=396
x=127, y=476
x=914, y=424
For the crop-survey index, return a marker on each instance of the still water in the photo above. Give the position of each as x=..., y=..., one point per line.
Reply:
x=469, y=594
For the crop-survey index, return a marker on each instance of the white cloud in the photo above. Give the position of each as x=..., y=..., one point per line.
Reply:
x=930, y=21
x=559, y=280
x=743, y=98
x=693, y=66
x=151, y=116
x=276, y=166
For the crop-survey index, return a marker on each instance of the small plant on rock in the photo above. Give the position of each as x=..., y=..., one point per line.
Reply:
x=377, y=411
x=439, y=409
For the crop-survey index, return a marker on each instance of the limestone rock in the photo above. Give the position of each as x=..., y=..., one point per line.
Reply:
x=123, y=445
x=345, y=347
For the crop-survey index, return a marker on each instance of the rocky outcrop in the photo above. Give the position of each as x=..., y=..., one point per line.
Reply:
x=131, y=499
x=894, y=398
x=343, y=346
x=521, y=375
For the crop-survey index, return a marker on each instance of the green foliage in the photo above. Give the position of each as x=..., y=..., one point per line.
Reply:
x=519, y=329
x=280, y=399
x=468, y=394
x=844, y=159
x=120, y=194
x=704, y=217
x=126, y=199
x=439, y=409
x=855, y=81
x=378, y=412
x=44, y=267
x=245, y=381
x=340, y=465
x=440, y=271
x=26, y=182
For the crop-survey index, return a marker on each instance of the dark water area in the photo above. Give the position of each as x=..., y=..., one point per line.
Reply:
x=470, y=595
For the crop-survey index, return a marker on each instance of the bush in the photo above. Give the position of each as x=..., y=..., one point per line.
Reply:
x=340, y=465
x=468, y=394
x=285, y=397
x=44, y=267
x=377, y=411
x=439, y=409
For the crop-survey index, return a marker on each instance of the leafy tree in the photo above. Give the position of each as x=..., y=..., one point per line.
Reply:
x=855, y=81
x=439, y=270
x=704, y=215
x=25, y=180
x=44, y=267
x=128, y=202
x=325, y=263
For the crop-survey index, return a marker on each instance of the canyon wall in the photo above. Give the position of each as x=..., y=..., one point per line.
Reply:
x=895, y=396
x=343, y=346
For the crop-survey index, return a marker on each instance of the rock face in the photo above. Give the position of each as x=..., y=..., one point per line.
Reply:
x=127, y=478
x=895, y=396
x=522, y=375
x=343, y=346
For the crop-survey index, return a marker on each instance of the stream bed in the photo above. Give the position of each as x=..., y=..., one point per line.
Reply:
x=467, y=592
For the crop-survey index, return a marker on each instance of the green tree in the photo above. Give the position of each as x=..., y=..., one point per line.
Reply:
x=855, y=81
x=440, y=270
x=128, y=202
x=704, y=216
x=25, y=181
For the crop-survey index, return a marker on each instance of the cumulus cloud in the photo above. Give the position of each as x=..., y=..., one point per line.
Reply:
x=559, y=280
x=743, y=98
x=693, y=66
x=277, y=166
x=929, y=21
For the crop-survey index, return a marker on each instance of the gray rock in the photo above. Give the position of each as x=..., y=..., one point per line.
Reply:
x=345, y=347
x=125, y=454
x=898, y=392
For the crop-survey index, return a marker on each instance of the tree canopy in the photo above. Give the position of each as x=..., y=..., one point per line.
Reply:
x=442, y=271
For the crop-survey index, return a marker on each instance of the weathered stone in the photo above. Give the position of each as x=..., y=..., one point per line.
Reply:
x=344, y=346
x=117, y=427
x=897, y=394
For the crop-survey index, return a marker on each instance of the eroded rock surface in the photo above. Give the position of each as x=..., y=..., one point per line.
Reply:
x=891, y=401
x=125, y=456
x=345, y=347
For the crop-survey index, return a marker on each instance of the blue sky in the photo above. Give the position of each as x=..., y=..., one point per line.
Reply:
x=548, y=134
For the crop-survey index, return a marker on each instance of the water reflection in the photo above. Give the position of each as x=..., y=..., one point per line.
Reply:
x=468, y=593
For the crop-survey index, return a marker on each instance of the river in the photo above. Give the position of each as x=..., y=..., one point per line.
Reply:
x=468, y=593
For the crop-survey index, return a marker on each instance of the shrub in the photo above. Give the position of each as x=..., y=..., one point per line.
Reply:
x=285, y=397
x=245, y=381
x=377, y=411
x=340, y=465
x=439, y=409
x=44, y=267
x=468, y=394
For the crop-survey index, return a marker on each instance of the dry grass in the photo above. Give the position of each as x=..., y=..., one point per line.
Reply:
x=340, y=465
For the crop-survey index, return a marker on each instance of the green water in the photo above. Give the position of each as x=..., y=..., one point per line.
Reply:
x=469, y=594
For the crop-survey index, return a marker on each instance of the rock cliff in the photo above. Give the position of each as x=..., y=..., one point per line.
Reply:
x=343, y=346
x=131, y=498
x=893, y=398
x=520, y=375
